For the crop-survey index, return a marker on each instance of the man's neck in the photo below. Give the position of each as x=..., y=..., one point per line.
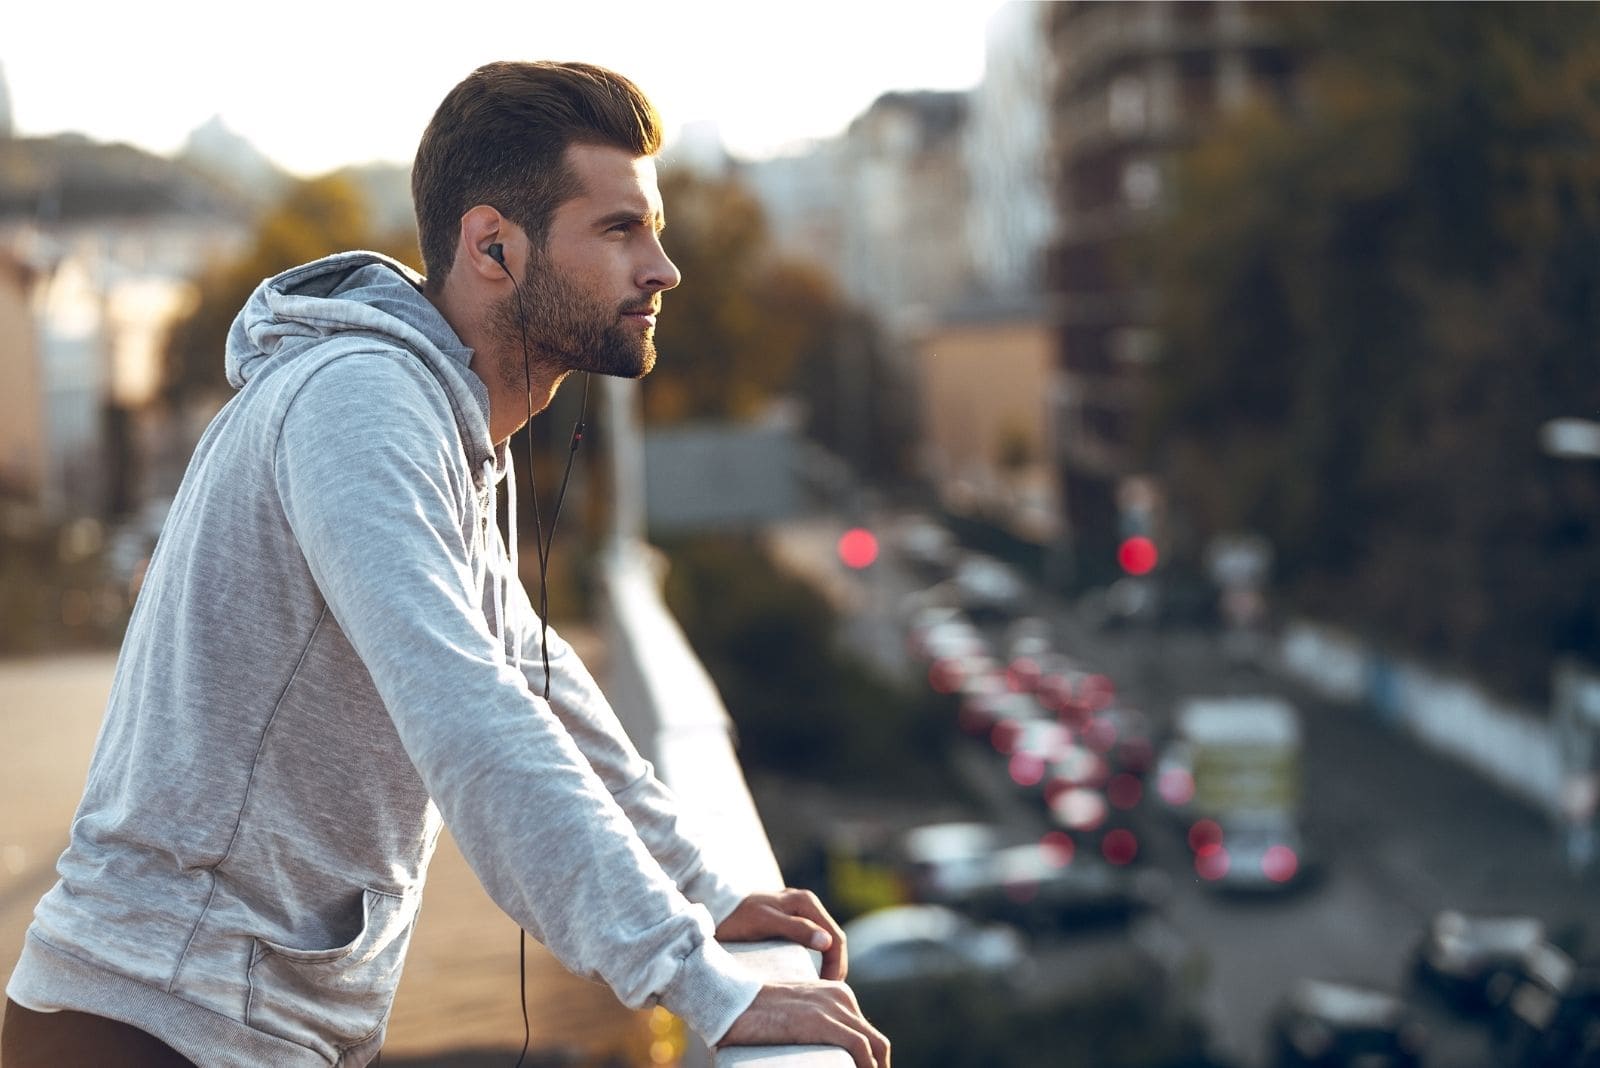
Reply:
x=501, y=367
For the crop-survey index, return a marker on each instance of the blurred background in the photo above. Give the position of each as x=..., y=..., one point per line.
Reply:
x=1131, y=471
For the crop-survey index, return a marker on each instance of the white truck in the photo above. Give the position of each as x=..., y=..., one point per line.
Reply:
x=1241, y=802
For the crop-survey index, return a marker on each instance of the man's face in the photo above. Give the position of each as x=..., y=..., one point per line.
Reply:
x=590, y=301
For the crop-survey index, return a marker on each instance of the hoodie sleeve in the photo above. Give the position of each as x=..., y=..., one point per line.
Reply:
x=369, y=468
x=648, y=802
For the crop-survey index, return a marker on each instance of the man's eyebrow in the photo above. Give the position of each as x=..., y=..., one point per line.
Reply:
x=652, y=219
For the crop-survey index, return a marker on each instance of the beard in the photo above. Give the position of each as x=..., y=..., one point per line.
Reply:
x=565, y=330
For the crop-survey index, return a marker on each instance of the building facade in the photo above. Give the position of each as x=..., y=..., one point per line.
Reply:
x=1134, y=84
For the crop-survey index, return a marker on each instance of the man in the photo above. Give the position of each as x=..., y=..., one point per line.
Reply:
x=331, y=656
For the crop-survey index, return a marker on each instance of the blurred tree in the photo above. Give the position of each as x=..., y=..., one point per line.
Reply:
x=802, y=704
x=748, y=326
x=1372, y=299
x=734, y=330
x=317, y=217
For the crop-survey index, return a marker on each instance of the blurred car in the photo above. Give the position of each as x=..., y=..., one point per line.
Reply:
x=1122, y=734
x=926, y=545
x=1095, y=825
x=936, y=632
x=980, y=714
x=1174, y=772
x=910, y=943
x=1073, y=693
x=956, y=673
x=1029, y=636
x=944, y=861
x=1264, y=853
x=1045, y=887
x=989, y=588
x=1459, y=955
x=1322, y=1024
x=1551, y=1015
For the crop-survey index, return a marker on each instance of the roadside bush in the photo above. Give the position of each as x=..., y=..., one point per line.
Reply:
x=800, y=704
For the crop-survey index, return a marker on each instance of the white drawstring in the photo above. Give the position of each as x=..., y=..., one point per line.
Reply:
x=497, y=594
x=511, y=556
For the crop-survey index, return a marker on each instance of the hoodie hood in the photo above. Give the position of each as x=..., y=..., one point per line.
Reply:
x=361, y=293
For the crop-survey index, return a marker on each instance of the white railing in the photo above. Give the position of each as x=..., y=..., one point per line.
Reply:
x=675, y=716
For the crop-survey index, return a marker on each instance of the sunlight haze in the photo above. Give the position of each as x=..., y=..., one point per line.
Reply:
x=316, y=87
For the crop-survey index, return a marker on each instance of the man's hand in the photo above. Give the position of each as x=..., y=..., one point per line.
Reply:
x=810, y=1014
x=795, y=915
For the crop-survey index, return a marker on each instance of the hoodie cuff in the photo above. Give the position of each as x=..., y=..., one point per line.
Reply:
x=710, y=991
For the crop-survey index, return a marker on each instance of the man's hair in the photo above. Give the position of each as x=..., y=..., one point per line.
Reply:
x=500, y=138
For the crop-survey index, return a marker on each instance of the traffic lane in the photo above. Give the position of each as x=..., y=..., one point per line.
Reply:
x=1401, y=832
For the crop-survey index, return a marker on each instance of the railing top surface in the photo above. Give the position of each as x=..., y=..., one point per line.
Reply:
x=676, y=717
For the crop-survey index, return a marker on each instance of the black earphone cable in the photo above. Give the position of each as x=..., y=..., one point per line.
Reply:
x=542, y=543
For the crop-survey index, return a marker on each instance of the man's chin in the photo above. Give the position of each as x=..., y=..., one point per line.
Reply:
x=634, y=365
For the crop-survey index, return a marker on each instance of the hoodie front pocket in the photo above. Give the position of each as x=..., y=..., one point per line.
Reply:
x=330, y=999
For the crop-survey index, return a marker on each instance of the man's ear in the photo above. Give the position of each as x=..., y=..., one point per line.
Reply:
x=483, y=228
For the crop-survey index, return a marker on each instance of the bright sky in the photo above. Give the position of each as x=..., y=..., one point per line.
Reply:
x=319, y=85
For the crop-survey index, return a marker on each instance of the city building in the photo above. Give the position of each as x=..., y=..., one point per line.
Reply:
x=1134, y=83
x=1006, y=152
x=109, y=239
x=985, y=372
x=22, y=455
x=883, y=207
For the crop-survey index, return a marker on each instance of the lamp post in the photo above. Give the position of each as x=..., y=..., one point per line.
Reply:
x=1576, y=685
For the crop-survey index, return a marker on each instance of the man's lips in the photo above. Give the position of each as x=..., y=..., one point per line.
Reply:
x=646, y=314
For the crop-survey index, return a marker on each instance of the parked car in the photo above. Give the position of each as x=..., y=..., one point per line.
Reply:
x=943, y=861
x=1459, y=955
x=1551, y=1015
x=989, y=588
x=1046, y=887
x=1095, y=825
x=926, y=545
x=919, y=943
x=1322, y=1024
x=1251, y=853
x=934, y=634
x=1043, y=886
x=980, y=714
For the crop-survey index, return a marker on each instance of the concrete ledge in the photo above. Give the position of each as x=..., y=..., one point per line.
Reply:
x=675, y=716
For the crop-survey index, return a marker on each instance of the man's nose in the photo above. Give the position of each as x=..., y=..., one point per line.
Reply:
x=660, y=273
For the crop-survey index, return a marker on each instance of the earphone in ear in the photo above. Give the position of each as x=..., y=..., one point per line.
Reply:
x=497, y=252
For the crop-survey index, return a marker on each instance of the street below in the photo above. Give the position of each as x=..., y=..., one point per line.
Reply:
x=1394, y=832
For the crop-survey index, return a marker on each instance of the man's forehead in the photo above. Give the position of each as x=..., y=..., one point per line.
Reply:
x=613, y=179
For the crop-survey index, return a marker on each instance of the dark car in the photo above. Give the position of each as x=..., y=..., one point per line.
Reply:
x=942, y=862
x=1322, y=1024
x=1547, y=1013
x=1460, y=955
x=1044, y=887
x=923, y=943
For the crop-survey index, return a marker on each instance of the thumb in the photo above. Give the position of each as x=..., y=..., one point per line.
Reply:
x=806, y=933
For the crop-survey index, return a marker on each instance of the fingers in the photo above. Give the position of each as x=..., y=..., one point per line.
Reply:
x=818, y=1013
x=867, y=1046
x=803, y=931
x=835, y=958
x=793, y=914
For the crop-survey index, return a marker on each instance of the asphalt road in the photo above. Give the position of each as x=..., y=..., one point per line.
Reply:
x=1399, y=832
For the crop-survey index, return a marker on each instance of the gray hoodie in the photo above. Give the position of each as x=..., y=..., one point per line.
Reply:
x=330, y=656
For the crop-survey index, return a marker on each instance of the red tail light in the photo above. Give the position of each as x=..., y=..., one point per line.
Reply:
x=1120, y=846
x=1211, y=862
x=1203, y=834
x=1280, y=864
